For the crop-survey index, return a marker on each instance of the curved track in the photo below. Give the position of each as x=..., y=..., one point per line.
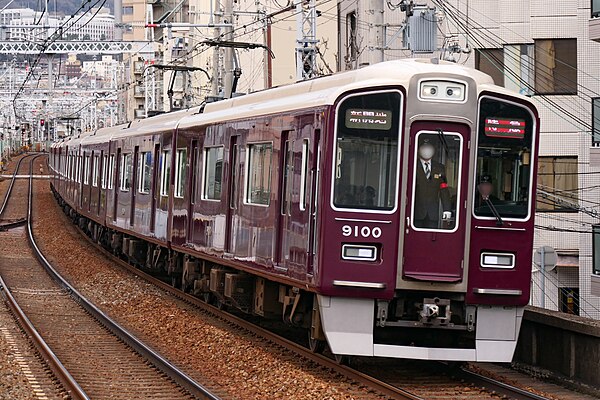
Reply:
x=398, y=379
x=90, y=354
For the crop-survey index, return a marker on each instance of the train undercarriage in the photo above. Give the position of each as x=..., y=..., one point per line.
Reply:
x=421, y=325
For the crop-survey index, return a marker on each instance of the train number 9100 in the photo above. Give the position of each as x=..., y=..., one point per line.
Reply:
x=361, y=231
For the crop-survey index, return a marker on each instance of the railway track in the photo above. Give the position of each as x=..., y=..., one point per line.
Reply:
x=91, y=355
x=397, y=379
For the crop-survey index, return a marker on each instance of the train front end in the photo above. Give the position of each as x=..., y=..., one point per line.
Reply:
x=426, y=240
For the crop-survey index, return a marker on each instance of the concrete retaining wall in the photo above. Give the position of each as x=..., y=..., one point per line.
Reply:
x=560, y=342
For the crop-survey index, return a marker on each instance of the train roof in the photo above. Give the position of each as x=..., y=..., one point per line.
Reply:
x=324, y=91
x=307, y=94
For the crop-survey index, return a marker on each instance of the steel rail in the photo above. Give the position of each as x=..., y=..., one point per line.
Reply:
x=58, y=369
x=12, y=183
x=373, y=383
x=178, y=376
x=499, y=387
x=11, y=225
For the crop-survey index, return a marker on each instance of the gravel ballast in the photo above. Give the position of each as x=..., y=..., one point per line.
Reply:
x=212, y=352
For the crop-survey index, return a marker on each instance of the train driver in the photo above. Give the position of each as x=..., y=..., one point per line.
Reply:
x=431, y=189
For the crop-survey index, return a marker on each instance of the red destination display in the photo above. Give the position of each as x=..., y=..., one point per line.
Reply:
x=505, y=127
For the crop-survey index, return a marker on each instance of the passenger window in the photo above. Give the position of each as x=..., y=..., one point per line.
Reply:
x=180, y=172
x=165, y=172
x=304, y=174
x=126, y=164
x=213, y=173
x=86, y=170
x=288, y=177
x=104, y=171
x=145, y=172
x=111, y=171
x=436, y=180
x=95, y=171
x=258, y=183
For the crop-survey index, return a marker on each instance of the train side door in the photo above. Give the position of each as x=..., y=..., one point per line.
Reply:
x=233, y=192
x=134, y=185
x=435, y=210
x=286, y=168
x=313, y=157
x=193, y=179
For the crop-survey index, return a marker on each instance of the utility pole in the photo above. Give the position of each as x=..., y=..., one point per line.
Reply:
x=306, y=39
x=228, y=58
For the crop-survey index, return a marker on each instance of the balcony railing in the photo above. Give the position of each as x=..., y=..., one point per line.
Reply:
x=595, y=8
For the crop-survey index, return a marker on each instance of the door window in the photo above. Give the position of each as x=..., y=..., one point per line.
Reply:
x=436, y=180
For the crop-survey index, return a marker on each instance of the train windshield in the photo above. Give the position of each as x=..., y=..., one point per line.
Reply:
x=503, y=174
x=366, y=157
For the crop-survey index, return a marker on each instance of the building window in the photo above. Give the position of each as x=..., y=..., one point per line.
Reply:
x=213, y=173
x=557, y=184
x=556, y=66
x=491, y=62
x=569, y=300
x=127, y=10
x=596, y=248
x=180, y=172
x=351, y=45
x=145, y=172
x=165, y=173
x=258, y=184
x=126, y=172
x=595, y=8
x=596, y=121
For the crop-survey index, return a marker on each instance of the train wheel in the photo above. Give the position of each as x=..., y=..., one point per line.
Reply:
x=315, y=345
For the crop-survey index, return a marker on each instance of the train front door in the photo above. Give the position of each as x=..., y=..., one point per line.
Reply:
x=435, y=210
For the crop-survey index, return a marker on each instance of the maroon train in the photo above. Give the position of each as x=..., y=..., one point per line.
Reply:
x=388, y=210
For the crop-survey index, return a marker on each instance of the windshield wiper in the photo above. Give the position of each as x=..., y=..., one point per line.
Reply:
x=499, y=221
x=442, y=139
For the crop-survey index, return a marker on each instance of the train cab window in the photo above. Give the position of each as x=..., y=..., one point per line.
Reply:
x=366, y=156
x=436, y=180
x=258, y=183
x=95, y=170
x=180, y=172
x=145, y=172
x=86, y=169
x=504, y=153
x=111, y=171
x=165, y=172
x=213, y=173
x=126, y=170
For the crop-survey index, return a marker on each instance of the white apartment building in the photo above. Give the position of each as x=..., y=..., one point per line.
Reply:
x=540, y=48
x=92, y=25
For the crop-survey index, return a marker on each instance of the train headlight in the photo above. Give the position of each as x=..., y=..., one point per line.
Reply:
x=442, y=91
x=359, y=252
x=497, y=260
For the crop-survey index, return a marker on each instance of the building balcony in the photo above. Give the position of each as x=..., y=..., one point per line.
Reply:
x=594, y=23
